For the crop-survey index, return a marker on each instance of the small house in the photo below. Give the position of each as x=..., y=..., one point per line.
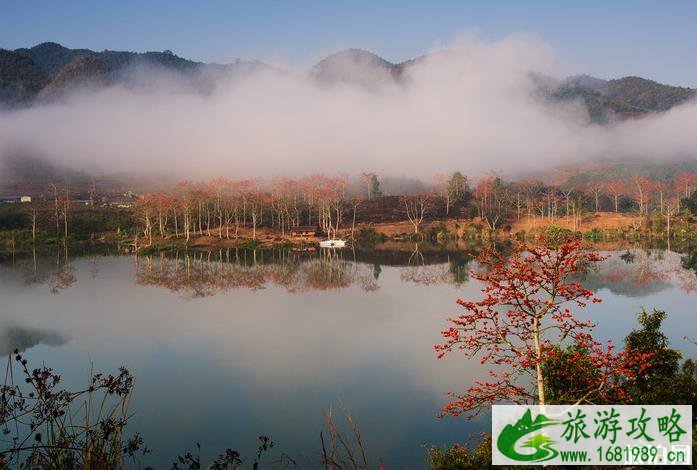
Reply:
x=15, y=199
x=303, y=231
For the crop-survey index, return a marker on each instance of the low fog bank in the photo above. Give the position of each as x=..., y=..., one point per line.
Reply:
x=471, y=106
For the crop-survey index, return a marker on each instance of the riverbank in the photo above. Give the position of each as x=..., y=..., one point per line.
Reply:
x=604, y=229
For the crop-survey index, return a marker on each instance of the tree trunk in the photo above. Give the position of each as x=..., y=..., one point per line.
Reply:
x=353, y=222
x=538, y=365
x=33, y=226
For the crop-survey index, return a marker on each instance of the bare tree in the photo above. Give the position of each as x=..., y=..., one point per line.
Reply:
x=355, y=202
x=33, y=225
x=55, y=207
x=416, y=206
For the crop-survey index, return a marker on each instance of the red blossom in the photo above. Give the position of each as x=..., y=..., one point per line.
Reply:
x=524, y=314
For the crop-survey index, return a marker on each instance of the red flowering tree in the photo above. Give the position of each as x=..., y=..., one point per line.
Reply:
x=520, y=324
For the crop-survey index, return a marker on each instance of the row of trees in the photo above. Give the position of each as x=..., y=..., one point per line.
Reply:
x=498, y=201
x=222, y=207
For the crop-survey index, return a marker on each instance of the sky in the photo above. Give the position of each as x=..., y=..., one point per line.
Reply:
x=608, y=39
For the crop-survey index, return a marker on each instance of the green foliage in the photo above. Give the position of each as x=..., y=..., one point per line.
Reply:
x=374, y=185
x=460, y=457
x=458, y=188
x=593, y=235
x=665, y=381
x=82, y=221
x=576, y=370
x=148, y=250
x=439, y=233
x=690, y=203
x=250, y=244
x=472, y=231
x=370, y=237
x=689, y=261
x=86, y=222
x=14, y=217
x=555, y=235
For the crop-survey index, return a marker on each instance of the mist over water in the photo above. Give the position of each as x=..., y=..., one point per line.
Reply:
x=471, y=106
x=219, y=360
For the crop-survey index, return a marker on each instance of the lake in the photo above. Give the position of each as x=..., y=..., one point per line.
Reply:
x=229, y=345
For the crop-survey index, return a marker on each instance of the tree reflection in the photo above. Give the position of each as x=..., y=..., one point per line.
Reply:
x=642, y=272
x=196, y=274
x=54, y=269
x=64, y=274
x=202, y=274
x=454, y=271
x=21, y=338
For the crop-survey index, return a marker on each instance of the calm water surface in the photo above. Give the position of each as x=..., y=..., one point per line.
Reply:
x=226, y=346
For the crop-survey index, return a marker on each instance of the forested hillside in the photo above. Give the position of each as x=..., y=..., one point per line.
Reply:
x=28, y=74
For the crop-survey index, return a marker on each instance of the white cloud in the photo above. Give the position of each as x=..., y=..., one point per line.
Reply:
x=470, y=106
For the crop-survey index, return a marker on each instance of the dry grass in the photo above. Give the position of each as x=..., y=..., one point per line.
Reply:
x=601, y=220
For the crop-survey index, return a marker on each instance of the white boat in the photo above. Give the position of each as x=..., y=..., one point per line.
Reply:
x=334, y=243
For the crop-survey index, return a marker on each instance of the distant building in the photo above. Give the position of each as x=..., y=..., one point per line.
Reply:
x=303, y=231
x=14, y=199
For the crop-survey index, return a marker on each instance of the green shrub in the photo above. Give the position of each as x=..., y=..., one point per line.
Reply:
x=459, y=457
x=556, y=235
x=594, y=235
x=370, y=237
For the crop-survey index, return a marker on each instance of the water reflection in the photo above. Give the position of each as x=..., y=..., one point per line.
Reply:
x=55, y=268
x=641, y=273
x=198, y=274
x=201, y=274
x=221, y=369
x=22, y=338
x=227, y=345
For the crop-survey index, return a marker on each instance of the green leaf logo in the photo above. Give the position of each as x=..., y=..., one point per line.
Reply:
x=542, y=444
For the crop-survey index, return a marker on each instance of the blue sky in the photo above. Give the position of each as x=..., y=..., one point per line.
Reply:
x=654, y=39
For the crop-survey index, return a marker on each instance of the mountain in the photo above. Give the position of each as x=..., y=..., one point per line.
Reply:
x=355, y=66
x=592, y=172
x=621, y=98
x=23, y=172
x=640, y=95
x=20, y=79
x=52, y=57
x=85, y=71
x=49, y=70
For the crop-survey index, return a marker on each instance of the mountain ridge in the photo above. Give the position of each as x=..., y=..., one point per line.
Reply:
x=28, y=75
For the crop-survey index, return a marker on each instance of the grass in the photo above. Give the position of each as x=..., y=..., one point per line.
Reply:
x=43, y=425
x=46, y=426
